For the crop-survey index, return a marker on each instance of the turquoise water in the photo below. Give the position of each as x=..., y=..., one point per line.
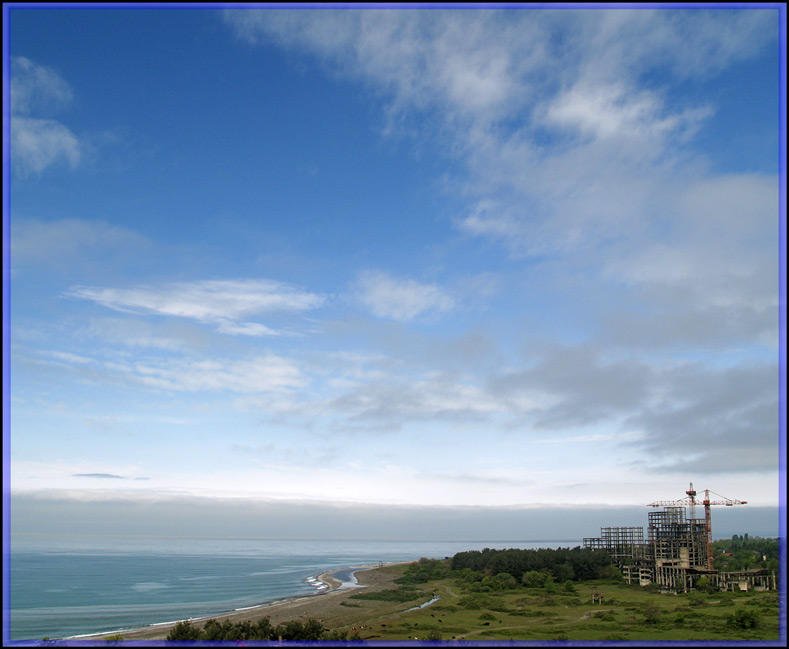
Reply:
x=68, y=587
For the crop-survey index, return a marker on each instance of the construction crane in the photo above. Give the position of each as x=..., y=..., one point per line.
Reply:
x=690, y=501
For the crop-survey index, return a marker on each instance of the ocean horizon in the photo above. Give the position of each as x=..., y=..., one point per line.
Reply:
x=70, y=586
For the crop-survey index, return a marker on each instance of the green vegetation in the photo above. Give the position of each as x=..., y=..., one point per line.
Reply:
x=480, y=599
x=535, y=595
x=402, y=594
x=742, y=552
x=114, y=639
x=262, y=630
x=562, y=564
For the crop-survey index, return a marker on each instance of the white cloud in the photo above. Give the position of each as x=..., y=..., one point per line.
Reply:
x=36, y=88
x=400, y=299
x=611, y=110
x=220, y=302
x=258, y=375
x=423, y=59
x=37, y=143
x=510, y=92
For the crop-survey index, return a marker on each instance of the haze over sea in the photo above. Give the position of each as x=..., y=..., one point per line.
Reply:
x=63, y=587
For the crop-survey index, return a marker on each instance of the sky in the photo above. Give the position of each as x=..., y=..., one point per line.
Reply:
x=405, y=260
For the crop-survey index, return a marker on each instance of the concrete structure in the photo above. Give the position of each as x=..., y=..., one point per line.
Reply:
x=675, y=554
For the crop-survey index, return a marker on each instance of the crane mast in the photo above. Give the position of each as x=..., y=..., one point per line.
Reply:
x=690, y=501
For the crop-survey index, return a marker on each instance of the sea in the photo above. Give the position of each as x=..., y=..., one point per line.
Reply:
x=61, y=588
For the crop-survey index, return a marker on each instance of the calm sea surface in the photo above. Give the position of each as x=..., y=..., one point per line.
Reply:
x=67, y=587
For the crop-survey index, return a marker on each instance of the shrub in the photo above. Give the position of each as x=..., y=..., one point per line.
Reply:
x=610, y=573
x=475, y=602
x=535, y=579
x=651, y=613
x=744, y=619
x=402, y=594
x=184, y=631
x=705, y=585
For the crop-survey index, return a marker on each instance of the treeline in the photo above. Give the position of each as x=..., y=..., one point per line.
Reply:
x=263, y=630
x=561, y=564
x=742, y=552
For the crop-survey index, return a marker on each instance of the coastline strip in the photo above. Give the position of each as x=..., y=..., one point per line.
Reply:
x=333, y=587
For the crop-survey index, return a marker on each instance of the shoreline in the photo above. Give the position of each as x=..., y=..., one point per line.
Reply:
x=273, y=609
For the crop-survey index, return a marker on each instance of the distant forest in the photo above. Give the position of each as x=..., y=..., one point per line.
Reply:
x=742, y=552
x=501, y=569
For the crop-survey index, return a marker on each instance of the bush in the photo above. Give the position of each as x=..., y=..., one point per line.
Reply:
x=401, y=595
x=228, y=631
x=295, y=630
x=184, y=631
x=651, y=613
x=705, y=585
x=744, y=619
x=475, y=602
x=610, y=573
x=502, y=581
x=535, y=579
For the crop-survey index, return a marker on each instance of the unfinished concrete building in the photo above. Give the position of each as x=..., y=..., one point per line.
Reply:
x=677, y=551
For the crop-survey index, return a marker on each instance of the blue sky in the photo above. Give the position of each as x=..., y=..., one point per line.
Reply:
x=411, y=257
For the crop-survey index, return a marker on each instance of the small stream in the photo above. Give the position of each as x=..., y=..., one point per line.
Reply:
x=428, y=603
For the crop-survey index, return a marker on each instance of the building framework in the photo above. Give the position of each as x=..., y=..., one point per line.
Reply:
x=675, y=554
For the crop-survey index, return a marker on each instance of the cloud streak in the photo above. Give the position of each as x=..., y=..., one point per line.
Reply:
x=220, y=302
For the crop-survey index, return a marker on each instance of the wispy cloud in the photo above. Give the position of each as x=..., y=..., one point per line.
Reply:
x=36, y=88
x=105, y=476
x=257, y=375
x=69, y=242
x=595, y=154
x=36, y=142
x=400, y=299
x=220, y=302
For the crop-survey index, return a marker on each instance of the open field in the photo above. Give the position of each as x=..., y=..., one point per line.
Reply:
x=385, y=610
x=626, y=613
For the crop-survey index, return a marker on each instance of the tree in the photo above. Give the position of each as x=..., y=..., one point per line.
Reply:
x=184, y=631
x=705, y=585
x=535, y=579
x=610, y=572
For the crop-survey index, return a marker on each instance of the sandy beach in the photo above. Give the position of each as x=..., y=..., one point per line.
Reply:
x=326, y=605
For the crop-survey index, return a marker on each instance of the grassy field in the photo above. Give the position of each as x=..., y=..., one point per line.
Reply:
x=625, y=613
